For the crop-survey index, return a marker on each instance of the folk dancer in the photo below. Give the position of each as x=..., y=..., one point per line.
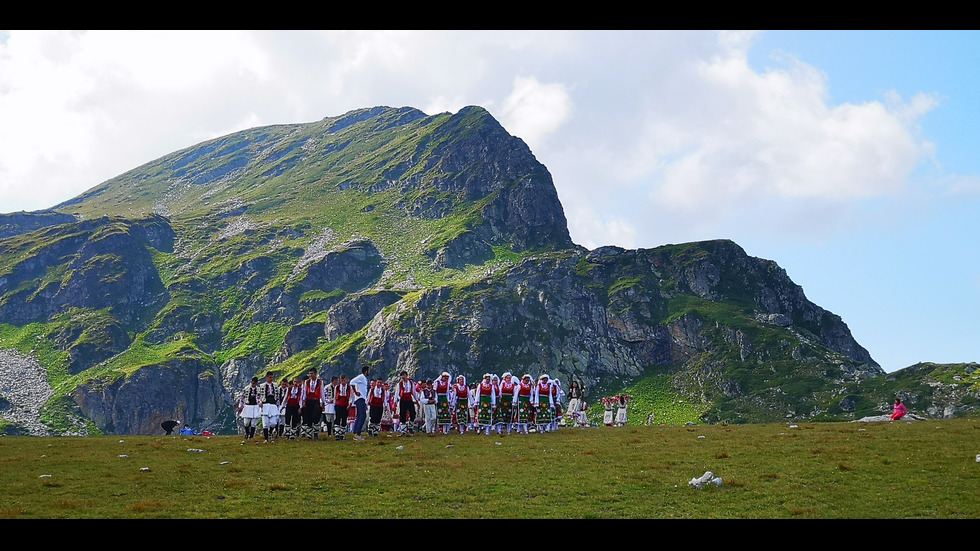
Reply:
x=505, y=407
x=428, y=399
x=389, y=421
x=473, y=408
x=250, y=407
x=621, y=402
x=559, y=414
x=292, y=407
x=376, y=400
x=525, y=408
x=407, y=396
x=486, y=399
x=420, y=411
x=498, y=422
x=270, y=406
x=461, y=403
x=444, y=389
x=341, y=407
x=543, y=398
x=576, y=405
x=330, y=404
x=311, y=405
x=608, y=415
x=281, y=393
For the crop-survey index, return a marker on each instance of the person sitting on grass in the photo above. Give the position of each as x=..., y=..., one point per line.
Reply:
x=899, y=410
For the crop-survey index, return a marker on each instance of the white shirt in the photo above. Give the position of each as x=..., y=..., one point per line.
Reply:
x=360, y=385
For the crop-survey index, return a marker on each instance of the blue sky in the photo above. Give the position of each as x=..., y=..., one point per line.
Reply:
x=848, y=157
x=908, y=280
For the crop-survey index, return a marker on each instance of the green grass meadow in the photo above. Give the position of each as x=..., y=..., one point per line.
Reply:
x=924, y=469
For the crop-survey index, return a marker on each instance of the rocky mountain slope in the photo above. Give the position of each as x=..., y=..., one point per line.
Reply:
x=401, y=240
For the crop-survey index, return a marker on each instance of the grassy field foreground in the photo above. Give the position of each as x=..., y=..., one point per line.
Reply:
x=925, y=469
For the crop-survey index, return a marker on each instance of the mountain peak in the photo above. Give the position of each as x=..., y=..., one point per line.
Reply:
x=406, y=241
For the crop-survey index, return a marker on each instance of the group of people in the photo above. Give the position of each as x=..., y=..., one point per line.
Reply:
x=614, y=414
x=495, y=404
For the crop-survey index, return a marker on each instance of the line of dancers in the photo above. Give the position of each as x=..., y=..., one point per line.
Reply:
x=498, y=404
x=306, y=408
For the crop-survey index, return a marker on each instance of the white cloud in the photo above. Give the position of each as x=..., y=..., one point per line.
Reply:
x=77, y=108
x=534, y=110
x=703, y=146
x=649, y=135
x=774, y=133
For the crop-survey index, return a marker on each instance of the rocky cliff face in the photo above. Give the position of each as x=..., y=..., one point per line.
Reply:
x=608, y=316
x=401, y=240
x=186, y=390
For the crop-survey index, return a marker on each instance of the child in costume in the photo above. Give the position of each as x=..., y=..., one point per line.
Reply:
x=621, y=409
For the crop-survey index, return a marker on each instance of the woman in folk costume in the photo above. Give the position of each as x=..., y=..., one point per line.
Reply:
x=444, y=410
x=473, y=407
x=486, y=399
x=621, y=402
x=250, y=407
x=525, y=409
x=461, y=403
x=505, y=405
x=559, y=411
x=608, y=415
x=575, y=411
x=543, y=397
x=270, y=406
x=498, y=422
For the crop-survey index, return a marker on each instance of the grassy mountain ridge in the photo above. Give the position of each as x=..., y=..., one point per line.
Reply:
x=404, y=241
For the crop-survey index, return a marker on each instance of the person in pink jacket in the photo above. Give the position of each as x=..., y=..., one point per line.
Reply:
x=899, y=410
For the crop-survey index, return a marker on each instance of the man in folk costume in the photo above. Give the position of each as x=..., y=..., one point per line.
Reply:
x=376, y=400
x=461, y=403
x=250, y=407
x=270, y=406
x=311, y=404
x=505, y=407
x=444, y=410
x=407, y=395
x=427, y=396
x=341, y=407
x=292, y=405
x=525, y=408
x=389, y=418
x=543, y=397
x=420, y=411
x=486, y=399
x=330, y=404
x=281, y=393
